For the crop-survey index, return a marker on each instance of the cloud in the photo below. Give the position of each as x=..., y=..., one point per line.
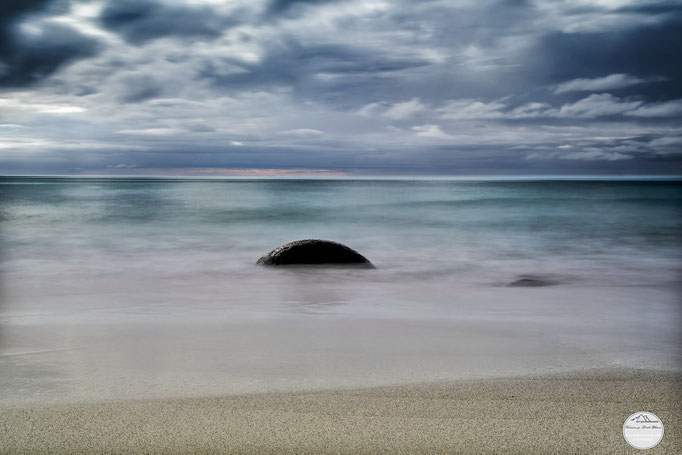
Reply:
x=12, y=11
x=149, y=131
x=278, y=7
x=586, y=154
x=332, y=70
x=643, y=48
x=122, y=166
x=63, y=109
x=431, y=131
x=303, y=132
x=608, y=105
x=666, y=141
x=404, y=110
x=611, y=82
x=467, y=109
x=370, y=109
x=17, y=107
x=672, y=108
x=432, y=86
x=592, y=154
x=666, y=145
x=227, y=172
x=597, y=106
x=140, y=21
x=31, y=49
x=534, y=109
x=138, y=87
x=592, y=106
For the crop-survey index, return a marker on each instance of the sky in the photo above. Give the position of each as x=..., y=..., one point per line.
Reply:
x=281, y=87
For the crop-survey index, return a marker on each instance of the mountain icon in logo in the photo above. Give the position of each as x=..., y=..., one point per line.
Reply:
x=643, y=430
x=642, y=418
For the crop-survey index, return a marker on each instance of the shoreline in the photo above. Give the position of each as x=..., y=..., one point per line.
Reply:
x=573, y=412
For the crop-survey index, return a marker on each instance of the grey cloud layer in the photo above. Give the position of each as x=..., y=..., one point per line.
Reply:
x=433, y=86
x=28, y=56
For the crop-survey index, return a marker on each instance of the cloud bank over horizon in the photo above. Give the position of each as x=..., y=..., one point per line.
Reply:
x=332, y=87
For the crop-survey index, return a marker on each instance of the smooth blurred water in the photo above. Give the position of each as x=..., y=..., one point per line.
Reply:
x=84, y=251
x=604, y=232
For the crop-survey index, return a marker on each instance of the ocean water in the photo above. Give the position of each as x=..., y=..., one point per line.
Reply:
x=128, y=287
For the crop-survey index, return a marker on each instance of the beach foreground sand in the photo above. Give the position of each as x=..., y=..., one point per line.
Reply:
x=578, y=412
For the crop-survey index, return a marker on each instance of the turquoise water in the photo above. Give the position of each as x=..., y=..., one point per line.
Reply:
x=606, y=231
x=109, y=279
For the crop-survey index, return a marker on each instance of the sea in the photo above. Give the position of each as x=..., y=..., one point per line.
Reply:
x=129, y=287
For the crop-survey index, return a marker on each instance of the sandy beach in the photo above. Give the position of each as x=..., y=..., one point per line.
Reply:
x=579, y=412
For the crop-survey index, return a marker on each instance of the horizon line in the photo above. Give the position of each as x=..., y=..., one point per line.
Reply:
x=359, y=176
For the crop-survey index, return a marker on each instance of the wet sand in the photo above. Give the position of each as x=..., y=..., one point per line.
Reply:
x=578, y=412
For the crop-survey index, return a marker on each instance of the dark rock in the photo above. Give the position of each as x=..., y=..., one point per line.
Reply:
x=314, y=252
x=532, y=281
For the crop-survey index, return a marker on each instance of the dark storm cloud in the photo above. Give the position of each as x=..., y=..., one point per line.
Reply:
x=140, y=21
x=11, y=9
x=644, y=51
x=26, y=58
x=670, y=7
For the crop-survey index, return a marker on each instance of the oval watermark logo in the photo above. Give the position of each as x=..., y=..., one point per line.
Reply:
x=643, y=430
